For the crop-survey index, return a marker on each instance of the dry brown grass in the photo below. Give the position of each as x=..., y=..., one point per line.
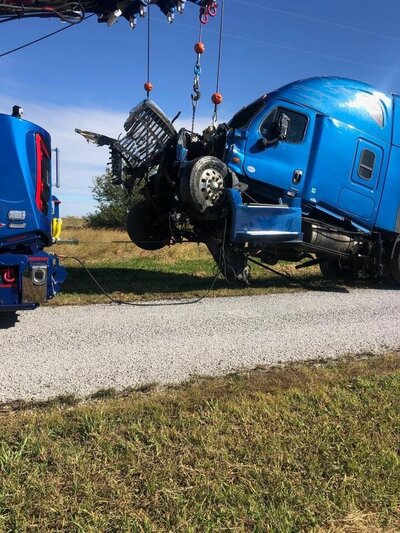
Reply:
x=358, y=522
x=105, y=246
x=181, y=271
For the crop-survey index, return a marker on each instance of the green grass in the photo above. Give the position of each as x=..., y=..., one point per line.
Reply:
x=300, y=448
x=150, y=279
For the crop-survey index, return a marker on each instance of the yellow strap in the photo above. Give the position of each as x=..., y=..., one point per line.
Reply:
x=56, y=228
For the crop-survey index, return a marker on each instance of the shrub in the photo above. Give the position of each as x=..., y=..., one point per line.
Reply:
x=114, y=203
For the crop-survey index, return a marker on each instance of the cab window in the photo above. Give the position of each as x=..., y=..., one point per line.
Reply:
x=243, y=117
x=297, y=125
x=367, y=163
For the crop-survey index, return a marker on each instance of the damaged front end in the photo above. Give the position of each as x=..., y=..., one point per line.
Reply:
x=185, y=192
x=180, y=185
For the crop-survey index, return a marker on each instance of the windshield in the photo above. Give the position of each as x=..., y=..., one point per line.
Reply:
x=243, y=117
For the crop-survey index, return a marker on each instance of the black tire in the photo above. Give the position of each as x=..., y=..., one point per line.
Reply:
x=332, y=269
x=394, y=265
x=203, y=188
x=161, y=192
x=147, y=227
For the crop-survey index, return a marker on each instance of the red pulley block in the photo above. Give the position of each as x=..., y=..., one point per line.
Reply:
x=199, y=48
x=212, y=9
x=216, y=98
x=148, y=86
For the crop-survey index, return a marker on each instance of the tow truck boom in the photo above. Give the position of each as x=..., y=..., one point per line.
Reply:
x=107, y=11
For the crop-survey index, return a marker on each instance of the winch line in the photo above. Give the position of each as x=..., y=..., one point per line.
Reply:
x=148, y=47
x=217, y=273
x=196, y=84
x=221, y=33
x=141, y=304
x=44, y=37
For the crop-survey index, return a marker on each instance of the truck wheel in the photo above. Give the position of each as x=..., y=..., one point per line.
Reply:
x=203, y=186
x=147, y=227
x=332, y=269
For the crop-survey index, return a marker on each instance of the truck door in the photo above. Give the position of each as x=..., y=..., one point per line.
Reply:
x=347, y=172
x=362, y=194
x=275, y=157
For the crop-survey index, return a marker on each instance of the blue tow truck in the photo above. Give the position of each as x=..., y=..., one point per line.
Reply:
x=29, y=213
x=308, y=173
x=29, y=216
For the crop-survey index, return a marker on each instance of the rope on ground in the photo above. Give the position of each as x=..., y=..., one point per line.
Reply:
x=141, y=304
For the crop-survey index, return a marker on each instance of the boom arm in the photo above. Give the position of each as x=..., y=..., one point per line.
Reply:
x=108, y=11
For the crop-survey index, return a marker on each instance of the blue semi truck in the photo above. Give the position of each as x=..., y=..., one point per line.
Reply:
x=29, y=216
x=308, y=173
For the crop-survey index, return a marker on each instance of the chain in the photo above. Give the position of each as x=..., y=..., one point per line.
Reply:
x=196, y=94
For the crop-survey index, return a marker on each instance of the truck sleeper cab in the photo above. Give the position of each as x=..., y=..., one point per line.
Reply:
x=337, y=162
x=307, y=173
x=28, y=274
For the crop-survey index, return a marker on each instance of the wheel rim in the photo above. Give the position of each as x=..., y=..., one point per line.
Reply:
x=211, y=186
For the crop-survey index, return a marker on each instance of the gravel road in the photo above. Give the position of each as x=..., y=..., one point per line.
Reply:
x=79, y=350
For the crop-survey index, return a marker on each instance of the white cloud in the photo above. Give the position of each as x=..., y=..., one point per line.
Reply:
x=80, y=161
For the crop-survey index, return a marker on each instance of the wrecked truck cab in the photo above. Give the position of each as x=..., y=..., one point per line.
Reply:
x=307, y=173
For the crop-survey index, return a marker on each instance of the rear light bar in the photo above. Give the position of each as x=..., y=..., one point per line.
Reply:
x=42, y=178
x=8, y=276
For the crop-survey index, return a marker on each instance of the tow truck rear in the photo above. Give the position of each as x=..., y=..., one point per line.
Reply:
x=29, y=216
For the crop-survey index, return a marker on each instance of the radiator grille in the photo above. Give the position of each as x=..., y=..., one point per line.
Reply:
x=148, y=130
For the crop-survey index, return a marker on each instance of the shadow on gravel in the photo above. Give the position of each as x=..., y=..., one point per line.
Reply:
x=144, y=281
x=132, y=280
x=8, y=320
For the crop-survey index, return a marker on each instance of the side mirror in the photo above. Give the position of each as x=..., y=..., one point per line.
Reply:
x=283, y=126
x=280, y=130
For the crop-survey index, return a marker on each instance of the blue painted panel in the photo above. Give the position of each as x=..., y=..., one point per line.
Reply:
x=18, y=177
x=332, y=183
x=372, y=182
x=257, y=223
x=388, y=217
x=349, y=101
x=331, y=158
x=396, y=120
x=356, y=204
x=275, y=165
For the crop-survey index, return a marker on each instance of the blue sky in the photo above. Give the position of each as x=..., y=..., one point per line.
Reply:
x=89, y=76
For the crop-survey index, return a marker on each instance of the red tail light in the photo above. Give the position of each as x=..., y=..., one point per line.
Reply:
x=8, y=276
x=42, y=175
